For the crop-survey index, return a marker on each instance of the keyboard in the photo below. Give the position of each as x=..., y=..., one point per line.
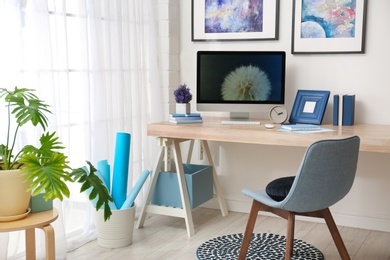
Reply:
x=237, y=122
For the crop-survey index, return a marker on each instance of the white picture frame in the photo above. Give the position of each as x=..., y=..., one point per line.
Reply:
x=325, y=29
x=269, y=30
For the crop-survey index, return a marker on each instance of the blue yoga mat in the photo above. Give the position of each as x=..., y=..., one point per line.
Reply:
x=104, y=168
x=136, y=189
x=121, y=168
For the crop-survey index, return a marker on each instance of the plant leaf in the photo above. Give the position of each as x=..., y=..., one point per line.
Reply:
x=28, y=108
x=47, y=174
x=98, y=191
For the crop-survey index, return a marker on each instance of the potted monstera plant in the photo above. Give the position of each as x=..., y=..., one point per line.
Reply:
x=31, y=170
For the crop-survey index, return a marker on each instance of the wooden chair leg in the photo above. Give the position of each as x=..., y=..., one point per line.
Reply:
x=249, y=230
x=335, y=234
x=290, y=235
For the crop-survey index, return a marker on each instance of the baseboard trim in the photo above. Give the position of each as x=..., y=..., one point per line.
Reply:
x=346, y=219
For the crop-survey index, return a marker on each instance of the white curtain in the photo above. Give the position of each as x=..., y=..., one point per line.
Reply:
x=95, y=62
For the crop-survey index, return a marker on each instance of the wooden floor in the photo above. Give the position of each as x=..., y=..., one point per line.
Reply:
x=166, y=237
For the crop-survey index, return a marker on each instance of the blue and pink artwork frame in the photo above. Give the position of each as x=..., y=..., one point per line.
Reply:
x=235, y=20
x=309, y=107
x=328, y=26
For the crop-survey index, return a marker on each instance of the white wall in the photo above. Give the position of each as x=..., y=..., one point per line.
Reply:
x=365, y=75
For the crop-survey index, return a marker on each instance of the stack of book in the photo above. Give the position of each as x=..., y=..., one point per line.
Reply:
x=185, y=118
x=343, y=109
x=301, y=127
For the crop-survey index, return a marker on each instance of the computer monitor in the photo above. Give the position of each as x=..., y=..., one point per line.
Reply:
x=240, y=82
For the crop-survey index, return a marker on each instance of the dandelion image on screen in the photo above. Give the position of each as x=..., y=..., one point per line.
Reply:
x=246, y=83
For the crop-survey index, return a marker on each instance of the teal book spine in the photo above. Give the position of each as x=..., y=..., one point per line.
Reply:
x=348, y=109
x=185, y=115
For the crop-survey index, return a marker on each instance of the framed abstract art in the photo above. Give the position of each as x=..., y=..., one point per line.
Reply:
x=328, y=26
x=234, y=20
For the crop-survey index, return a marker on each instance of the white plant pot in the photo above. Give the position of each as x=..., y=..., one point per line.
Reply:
x=118, y=230
x=14, y=198
x=183, y=108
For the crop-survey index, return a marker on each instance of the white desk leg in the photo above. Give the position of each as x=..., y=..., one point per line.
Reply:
x=185, y=212
x=218, y=190
x=190, y=150
x=152, y=185
x=183, y=189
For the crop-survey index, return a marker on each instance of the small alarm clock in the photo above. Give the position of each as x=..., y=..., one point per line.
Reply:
x=278, y=114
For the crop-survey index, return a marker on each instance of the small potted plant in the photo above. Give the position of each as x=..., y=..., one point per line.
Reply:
x=38, y=169
x=183, y=97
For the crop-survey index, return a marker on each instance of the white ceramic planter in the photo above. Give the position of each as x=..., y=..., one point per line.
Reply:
x=118, y=230
x=183, y=108
x=14, y=198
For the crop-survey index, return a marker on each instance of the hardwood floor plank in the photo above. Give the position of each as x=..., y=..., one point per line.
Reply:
x=353, y=239
x=376, y=247
x=166, y=238
x=318, y=237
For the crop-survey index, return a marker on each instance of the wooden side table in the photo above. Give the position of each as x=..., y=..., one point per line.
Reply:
x=40, y=220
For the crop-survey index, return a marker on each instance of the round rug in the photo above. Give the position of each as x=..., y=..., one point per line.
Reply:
x=262, y=246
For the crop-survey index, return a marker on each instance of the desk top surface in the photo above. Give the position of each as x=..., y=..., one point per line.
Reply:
x=374, y=138
x=32, y=220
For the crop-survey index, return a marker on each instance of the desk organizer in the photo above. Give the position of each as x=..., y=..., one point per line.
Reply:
x=199, y=181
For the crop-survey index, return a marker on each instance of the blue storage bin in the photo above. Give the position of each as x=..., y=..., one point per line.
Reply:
x=38, y=203
x=199, y=180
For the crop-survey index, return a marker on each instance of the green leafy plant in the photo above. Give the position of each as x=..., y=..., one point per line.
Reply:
x=93, y=182
x=45, y=167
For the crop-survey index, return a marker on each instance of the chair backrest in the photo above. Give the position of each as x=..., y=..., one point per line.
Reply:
x=325, y=175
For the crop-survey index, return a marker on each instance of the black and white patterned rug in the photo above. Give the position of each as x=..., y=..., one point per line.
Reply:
x=263, y=246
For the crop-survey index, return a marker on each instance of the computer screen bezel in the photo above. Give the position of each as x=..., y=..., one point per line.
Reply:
x=239, y=106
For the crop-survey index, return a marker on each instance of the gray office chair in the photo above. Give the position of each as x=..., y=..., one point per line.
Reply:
x=325, y=176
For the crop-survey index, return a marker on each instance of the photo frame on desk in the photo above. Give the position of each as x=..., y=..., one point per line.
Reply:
x=309, y=106
x=231, y=20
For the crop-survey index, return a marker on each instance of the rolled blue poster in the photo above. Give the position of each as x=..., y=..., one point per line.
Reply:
x=104, y=168
x=101, y=177
x=88, y=192
x=136, y=189
x=121, y=168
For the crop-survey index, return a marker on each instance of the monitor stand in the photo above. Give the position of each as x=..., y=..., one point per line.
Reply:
x=239, y=115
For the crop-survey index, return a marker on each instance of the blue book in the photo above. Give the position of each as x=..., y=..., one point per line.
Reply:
x=185, y=115
x=192, y=121
x=185, y=118
x=348, y=109
x=336, y=110
x=301, y=127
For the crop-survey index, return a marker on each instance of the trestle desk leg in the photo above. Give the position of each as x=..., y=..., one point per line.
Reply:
x=183, y=189
x=152, y=185
x=217, y=187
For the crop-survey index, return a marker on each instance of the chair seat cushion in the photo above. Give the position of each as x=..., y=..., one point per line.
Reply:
x=279, y=188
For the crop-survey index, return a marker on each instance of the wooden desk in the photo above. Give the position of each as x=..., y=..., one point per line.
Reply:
x=40, y=220
x=374, y=138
